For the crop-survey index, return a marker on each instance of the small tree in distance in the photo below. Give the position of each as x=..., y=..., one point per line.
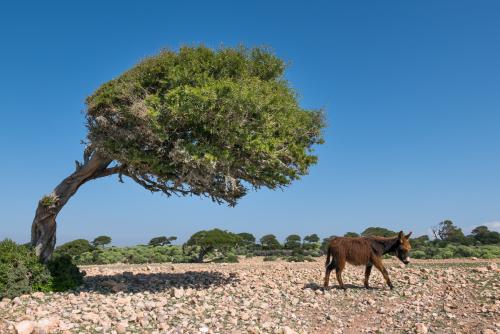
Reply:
x=351, y=235
x=161, y=241
x=216, y=240
x=101, y=241
x=312, y=238
x=447, y=231
x=246, y=239
x=292, y=242
x=203, y=122
x=378, y=232
x=484, y=236
x=269, y=242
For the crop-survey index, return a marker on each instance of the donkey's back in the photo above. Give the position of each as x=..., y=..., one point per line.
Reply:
x=356, y=251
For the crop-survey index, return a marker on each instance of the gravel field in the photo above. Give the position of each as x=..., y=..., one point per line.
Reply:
x=449, y=296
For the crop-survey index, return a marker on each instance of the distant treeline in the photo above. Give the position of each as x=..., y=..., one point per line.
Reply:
x=223, y=246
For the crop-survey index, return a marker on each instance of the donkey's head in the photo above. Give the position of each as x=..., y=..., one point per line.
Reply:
x=403, y=247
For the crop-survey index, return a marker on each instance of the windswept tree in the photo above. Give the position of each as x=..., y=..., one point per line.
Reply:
x=101, y=241
x=161, y=241
x=212, y=241
x=202, y=122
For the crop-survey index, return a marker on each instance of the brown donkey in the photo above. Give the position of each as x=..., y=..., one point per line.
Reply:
x=366, y=251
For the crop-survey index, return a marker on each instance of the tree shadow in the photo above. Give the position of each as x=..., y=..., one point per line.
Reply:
x=314, y=286
x=129, y=282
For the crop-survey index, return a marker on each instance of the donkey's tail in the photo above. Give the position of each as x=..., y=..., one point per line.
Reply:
x=330, y=263
x=328, y=255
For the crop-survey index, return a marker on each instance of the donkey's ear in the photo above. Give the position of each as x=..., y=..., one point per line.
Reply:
x=400, y=235
x=408, y=235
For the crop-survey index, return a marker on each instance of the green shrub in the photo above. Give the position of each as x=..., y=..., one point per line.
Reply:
x=230, y=258
x=299, y=258
x=418, y=254
x=65, y=273
x=74, y=248
x=270, y=258
x=20, y=271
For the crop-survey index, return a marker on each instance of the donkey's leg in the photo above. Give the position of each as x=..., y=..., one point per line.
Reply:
x=377, y=262
x=338, y=271
x=368, y=271
x=329, y=269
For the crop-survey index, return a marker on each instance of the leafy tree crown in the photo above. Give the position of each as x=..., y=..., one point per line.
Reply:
x=269, y=241
x=378, y=232
x=312, y=238
x=101, y=240
x=205, y=122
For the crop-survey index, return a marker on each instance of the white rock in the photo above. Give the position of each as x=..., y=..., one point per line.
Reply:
x=91, y=317
x=420, y=328
x=47, y=325
x=287, y=330
x=24, y=327
x=121, y=327
x=177, y=293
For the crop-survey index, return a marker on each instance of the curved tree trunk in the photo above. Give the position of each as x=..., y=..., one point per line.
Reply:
x=43, y=229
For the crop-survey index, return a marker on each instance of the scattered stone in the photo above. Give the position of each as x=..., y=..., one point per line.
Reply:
x=287, y=330
x=262, y=297
x=420, y=328
x=121, y=328
x=25, y=327
x=177, y=293
x=491, y=266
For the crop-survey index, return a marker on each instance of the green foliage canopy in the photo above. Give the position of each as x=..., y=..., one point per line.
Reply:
x=74, y=248
x=20, y=271
x=269, y=242
x=292, y=241
x=159, y=241
x=312, y=238
x=447, y=231
x=215, y=240
x=205, y=122
x=378, y=232
x=484, y=236
x=247, y=239
x=101, y=241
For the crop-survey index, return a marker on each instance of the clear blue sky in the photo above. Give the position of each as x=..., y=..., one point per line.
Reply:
x=411, y=90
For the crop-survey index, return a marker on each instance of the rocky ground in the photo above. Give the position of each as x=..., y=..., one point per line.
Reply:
x=266, y=297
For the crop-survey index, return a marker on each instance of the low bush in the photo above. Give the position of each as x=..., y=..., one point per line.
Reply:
x=230, y=258
x=270, y=258
x=300, y=258
x=449, y=251
x=74, y=248
x=21, y=272
x=135, y=255
x=65, y=274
